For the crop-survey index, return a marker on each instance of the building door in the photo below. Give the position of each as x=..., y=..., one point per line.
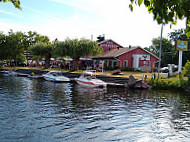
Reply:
x=135, y=61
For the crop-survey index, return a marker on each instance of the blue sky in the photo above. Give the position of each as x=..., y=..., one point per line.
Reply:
x=84, y=19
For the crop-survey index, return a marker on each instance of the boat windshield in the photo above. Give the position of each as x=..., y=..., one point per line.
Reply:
x=89, y=74
x=56, y=74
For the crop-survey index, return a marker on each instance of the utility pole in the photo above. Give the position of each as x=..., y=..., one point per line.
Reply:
x=159, y=64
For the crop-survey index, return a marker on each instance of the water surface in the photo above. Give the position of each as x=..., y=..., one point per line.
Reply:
x=42, y=111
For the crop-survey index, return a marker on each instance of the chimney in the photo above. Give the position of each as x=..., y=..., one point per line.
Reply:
x=129, y=46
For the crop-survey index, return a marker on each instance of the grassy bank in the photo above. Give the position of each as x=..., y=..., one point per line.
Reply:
x=178, y=83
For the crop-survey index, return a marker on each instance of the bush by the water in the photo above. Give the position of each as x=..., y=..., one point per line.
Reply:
x=179, y=83
x=1, y=67
x=186, y=70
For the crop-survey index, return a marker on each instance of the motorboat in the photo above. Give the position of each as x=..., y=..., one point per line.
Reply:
x=34, y=76
x=88, y=78
x=10, y=73
x=55, y=76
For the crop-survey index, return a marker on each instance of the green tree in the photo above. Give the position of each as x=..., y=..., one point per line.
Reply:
x=168, y=53
x=76, y=49
x=3, y=51
x=167, y=11
x=42, y=49
x=13, y=48
x=31, y=38
x=16, y=3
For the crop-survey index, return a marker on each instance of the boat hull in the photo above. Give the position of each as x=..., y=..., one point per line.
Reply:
x=97, y=83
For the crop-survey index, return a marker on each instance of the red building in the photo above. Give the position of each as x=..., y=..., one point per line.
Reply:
x=109, y=45
x=135, y=57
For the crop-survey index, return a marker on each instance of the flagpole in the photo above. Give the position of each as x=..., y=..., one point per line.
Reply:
x=159, y=64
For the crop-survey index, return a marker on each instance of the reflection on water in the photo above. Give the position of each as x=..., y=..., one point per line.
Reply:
x=38, y=110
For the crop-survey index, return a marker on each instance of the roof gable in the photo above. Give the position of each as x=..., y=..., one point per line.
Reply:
x=109, y=40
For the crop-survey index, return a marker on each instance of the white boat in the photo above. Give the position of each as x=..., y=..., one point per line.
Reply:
x=10, y=73
x=88, y=78
x=34, y=76
x=55, y=76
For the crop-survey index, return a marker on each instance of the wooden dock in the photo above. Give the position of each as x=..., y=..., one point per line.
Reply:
x=111, y=81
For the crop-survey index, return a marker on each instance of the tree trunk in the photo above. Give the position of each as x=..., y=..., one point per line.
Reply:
x=47, y=61
x=74, y=66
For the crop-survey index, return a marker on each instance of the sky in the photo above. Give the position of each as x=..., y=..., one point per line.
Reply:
x=87, y=19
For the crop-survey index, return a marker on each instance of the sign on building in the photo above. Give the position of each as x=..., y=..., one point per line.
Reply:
x=145, y=57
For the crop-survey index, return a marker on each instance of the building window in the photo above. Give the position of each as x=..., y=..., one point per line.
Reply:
x=125, y=63
x=110, y=63
x=148, y=63
x=114, y=63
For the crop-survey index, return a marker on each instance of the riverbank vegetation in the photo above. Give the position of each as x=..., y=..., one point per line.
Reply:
x=179, y=82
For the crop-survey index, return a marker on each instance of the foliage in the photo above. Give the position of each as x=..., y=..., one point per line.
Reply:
x=3, y=53
x=186, y=70
x=11, y=46
x=167, y=11
x=76, y=49
x=42, y=49
x=1, y=67
x=168, y=53
x=16, y=3
x=169, y=83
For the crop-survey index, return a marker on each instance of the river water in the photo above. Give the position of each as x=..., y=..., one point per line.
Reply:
x=42, y=111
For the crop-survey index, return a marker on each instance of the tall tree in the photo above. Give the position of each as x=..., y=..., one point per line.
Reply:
x=76, y=49
x=3, y=51
x=16, y=3
x=42, y=49
x=13, y=46
x=168, y=53
x=167, y=11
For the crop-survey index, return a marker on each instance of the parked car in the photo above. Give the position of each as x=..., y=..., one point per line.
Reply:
x=164, y=70
x=22, y=64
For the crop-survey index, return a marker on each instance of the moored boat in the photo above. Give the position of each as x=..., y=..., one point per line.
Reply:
x=55, y=76
x=9, y=73
x=88, y=78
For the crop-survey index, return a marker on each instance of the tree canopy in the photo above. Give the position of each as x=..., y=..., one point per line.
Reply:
x=16, y=3
x=168, y=53
x=11, y=46
x=14, y=44
x=167, y=11
x=42, y=49
x=77, y=48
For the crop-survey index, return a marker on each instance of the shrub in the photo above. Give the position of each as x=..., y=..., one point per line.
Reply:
x=169, y=84
x=186, y=70
x=1, y=67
